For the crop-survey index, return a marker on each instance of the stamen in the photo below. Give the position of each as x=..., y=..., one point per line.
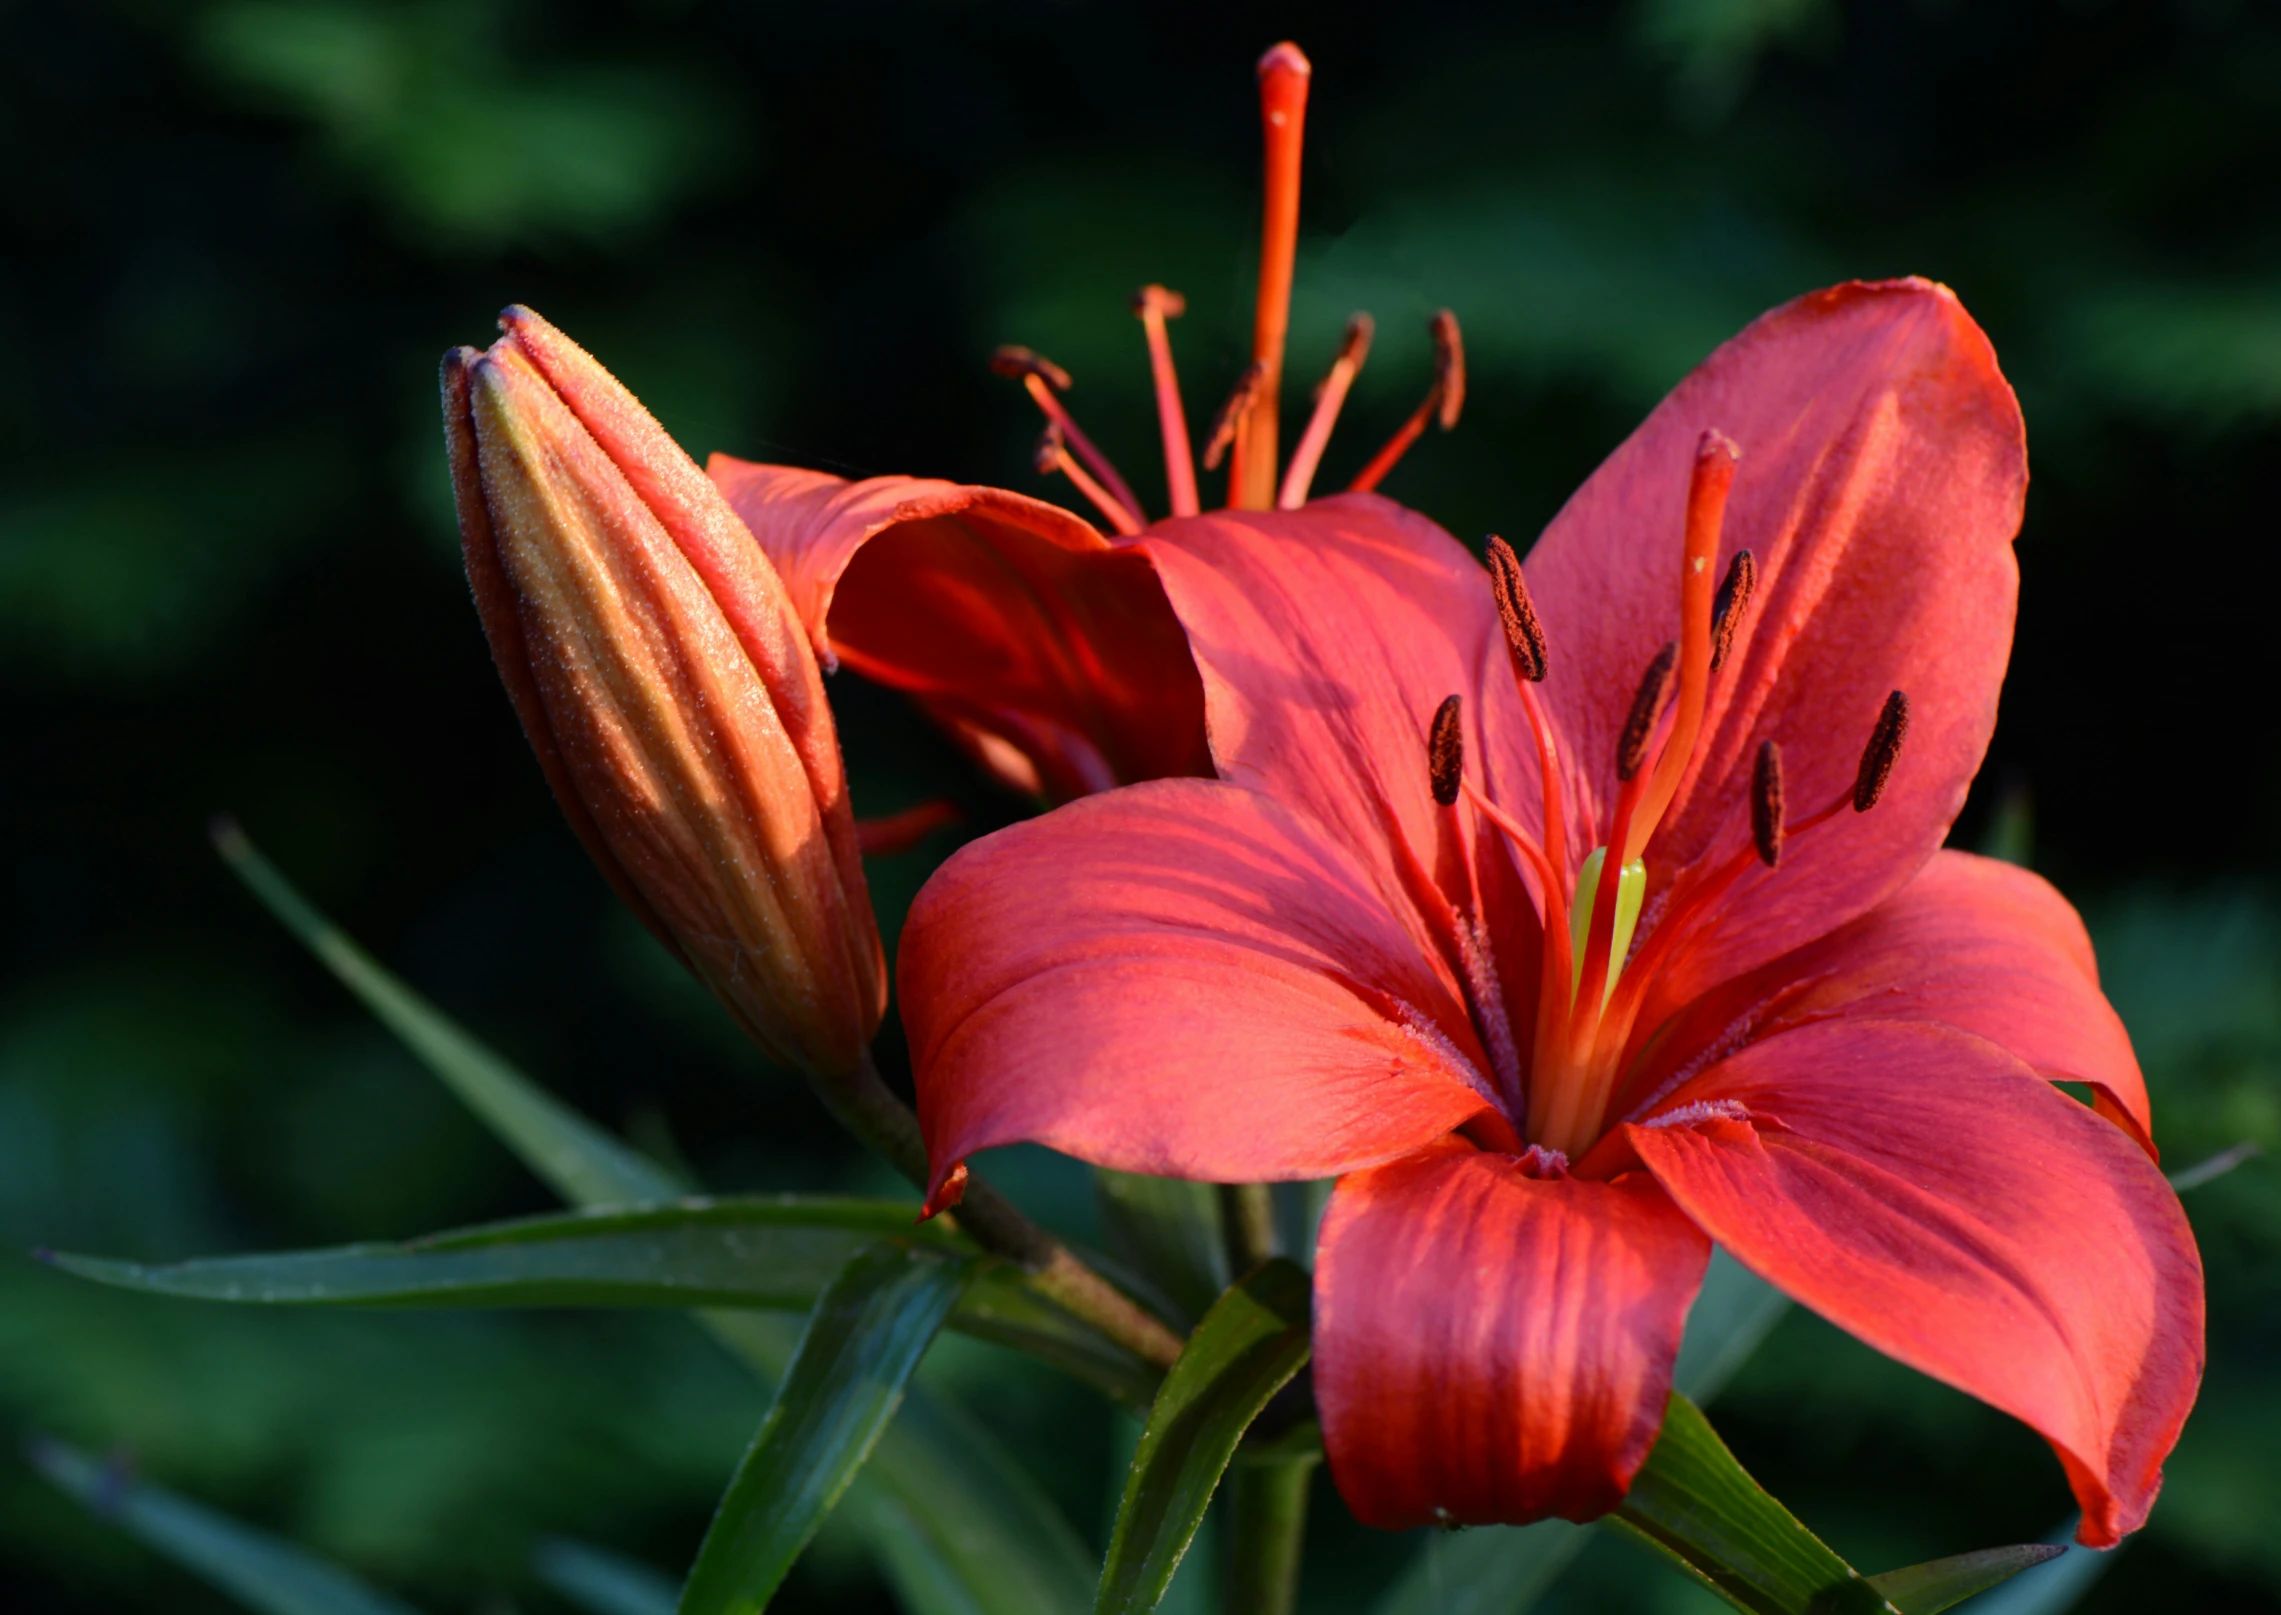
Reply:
x=1653, y=695
x=1444, y=401
x=1328, y=399
x=1707, y=488
x=1766, y=804
x=1231, y=417
x=1734, y=599
x=1883, y=750
x=1052, y=455
x=1284, y=73
x=1155, y=305
x=1524, y=635
x=1044, y=379
x=1445, y=751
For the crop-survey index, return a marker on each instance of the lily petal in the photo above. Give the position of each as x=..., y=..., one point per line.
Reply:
x=1182, y=978
x=1923, y=1189
x=1494, y=1347
x=1972, y=942
x=1882, y=473
x=1045, y=649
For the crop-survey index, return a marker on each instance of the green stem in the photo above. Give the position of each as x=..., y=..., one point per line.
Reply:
x=1266, y=1528
x=868, y=1108
x=1248, y=1210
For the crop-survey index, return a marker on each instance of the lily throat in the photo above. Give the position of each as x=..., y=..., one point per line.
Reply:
x=1569, y=1077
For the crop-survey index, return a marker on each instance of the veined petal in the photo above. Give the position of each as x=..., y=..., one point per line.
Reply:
x=1183, y=978
x=1326, y=638
x=1045, y=649
x=1883, y=465
x=1923, y=1189
x=1972, y=942
x=1492, y=1347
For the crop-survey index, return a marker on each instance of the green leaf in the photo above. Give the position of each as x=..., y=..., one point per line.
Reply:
x=1935, y=1585
x=252, y=1566
x=1504, y=1570
x=579, y=1161
x=776, y=1251
x=1247, y=1348
x=1695, y=1503
x=862, y=1344
x=1170, y=1230
x=601, y=1582
x=1012, y=1550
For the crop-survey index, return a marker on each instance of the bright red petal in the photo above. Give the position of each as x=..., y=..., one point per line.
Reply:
x=1046, y=650
x=1921, y=1188
x=1972, y=942
x=1882, y=472
x=1182, y=978
x=1326, y=637
x=1492, y=1347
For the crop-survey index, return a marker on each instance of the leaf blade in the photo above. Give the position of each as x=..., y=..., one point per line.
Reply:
x=261, y=1571
x=601, y=1582
x=862, y=1344
x=1938, y=1584
x=1693, y=1502
x=1249, y=1345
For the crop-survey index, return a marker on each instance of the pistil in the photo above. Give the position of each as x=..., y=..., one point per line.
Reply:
x=1155, y=305
x=1300, y=476
x=1284, y=73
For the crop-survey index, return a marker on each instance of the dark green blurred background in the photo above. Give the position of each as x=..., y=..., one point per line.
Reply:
x=235, y=236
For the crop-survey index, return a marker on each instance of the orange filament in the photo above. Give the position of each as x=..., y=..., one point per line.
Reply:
x=1045, y=379
x=1443, y=402
x=1155, y=305
x=1283, y=77
x=1300, y=476
x=1053, y=455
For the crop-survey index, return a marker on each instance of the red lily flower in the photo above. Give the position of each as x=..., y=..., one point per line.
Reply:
x=1042, y=644
x=1548, y=1076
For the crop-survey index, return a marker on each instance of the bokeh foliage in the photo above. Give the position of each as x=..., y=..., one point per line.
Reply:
x=237, y=234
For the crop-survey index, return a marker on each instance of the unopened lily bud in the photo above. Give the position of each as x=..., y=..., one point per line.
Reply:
x=668, y=688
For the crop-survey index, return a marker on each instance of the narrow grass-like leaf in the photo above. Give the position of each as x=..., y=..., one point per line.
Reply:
x=1696, y=1504
x=1504, y=1570
x=774, y=1251
x=862, y=1344
x=1170, y=1230
x=1939, y=1584
x=2053, y=1587
x=1010, y=1547
x=257, y=1569
x=601, y=1582
x=1247, y=1348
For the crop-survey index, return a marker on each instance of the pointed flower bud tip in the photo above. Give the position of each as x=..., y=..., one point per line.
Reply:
x=621, y=598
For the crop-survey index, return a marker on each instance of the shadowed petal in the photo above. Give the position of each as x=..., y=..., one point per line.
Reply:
x=1972, y=942
x=1044, y=649
x=1182, y=978
x=1921, y=1188
x=1882, y=472
x=1492, y=1347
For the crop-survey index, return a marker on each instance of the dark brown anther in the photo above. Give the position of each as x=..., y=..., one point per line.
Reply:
x=1647, y=710
x=1159, y=300
x=1766, y=804
x=1354, y=347
x=1524, y=635
x=1050, y=450
x=1445, y=751
x=1232, y=412
x=1449, y=369
x=1727, y=607
x=1884, y=747
x=1019, y=363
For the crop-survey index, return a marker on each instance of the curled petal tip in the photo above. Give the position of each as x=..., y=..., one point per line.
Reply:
x=946, y=1194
